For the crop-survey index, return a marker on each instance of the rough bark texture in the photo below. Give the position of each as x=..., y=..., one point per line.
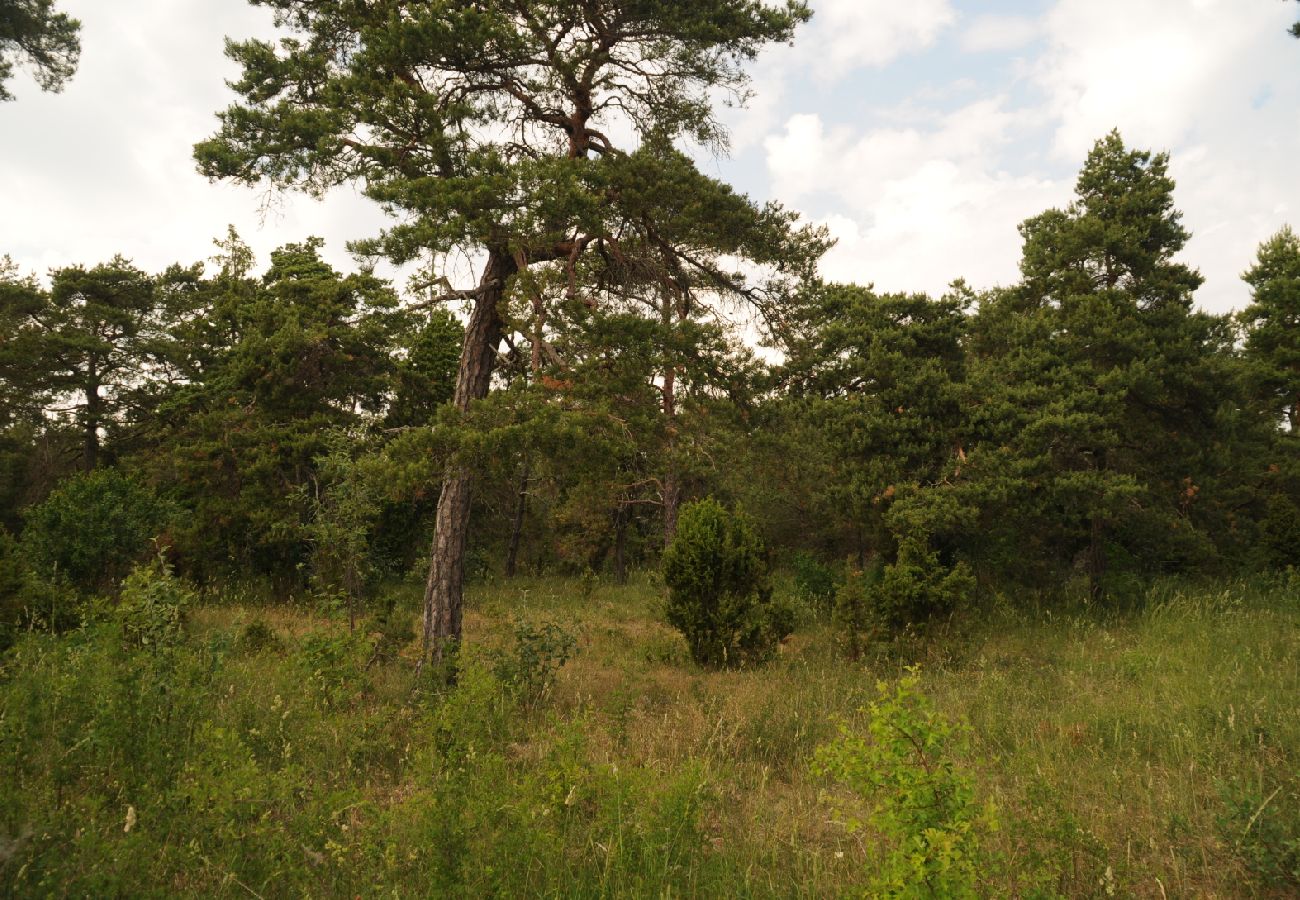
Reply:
x=443, y=591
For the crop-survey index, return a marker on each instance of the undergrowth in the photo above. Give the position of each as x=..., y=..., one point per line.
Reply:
x=173, y=748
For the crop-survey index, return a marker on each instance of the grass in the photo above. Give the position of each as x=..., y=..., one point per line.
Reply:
x=1150, y=754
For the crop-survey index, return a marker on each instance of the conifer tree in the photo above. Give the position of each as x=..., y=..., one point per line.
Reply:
x=1108, y=375
x=1272, y=325
x=525, y=133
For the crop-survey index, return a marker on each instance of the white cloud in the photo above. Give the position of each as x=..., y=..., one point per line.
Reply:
x=995, y=33
x=918, y=206
x=852, y=34
x=105, y=167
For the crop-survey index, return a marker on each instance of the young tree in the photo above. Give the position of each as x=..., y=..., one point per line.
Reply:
x=267, y=368
x=493, y=129
x=84, y=346
x=1110, y=384
x=883, y=376
x=48, y=41
x=1272, y=325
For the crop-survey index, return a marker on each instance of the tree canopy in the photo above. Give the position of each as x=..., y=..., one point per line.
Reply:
x=32, y=32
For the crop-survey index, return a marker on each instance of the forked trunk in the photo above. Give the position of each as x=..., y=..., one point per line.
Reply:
x=443, y=591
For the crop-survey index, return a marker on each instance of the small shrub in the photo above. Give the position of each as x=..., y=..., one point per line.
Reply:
x=333, y=667
x=918, y=587
x=27, y=601
x=154, y=606
x=258, y=637
x=92, y=529
x=815, y=583
x=854, y=617
x=528, y=669
x=919, y=799
x=391, y=629
x=718, y=591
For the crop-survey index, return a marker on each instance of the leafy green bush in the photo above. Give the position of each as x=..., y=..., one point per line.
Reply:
x=918, y=797
x=718, y=591
x=153, y=607
x=27, y=601
x=528, y=669
x=92, y=529
x=1264, y=830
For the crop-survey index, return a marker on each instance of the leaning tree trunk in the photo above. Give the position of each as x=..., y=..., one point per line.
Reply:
x=443, y=592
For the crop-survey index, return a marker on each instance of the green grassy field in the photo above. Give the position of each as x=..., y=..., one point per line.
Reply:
x=1154, y=753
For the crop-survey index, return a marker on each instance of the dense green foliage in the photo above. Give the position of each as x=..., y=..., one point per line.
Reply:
x=907, y=770
x=93, y=529
x=719, y=597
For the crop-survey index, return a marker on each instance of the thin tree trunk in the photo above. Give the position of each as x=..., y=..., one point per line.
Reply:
x=90, y=447
x=517, y=528
x=443, y=591
x=673, y=315
x=672, y=490
x=620, y=545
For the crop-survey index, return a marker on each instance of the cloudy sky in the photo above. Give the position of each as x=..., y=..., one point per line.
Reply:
x=921, y=132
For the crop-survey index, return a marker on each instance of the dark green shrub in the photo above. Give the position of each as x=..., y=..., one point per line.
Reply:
x=258, y=637
x=718, y=591
x=918, y=587
x=27, y=601
x=853, y=617
x=92, y=529
x=815, y=582
x=1279, y=532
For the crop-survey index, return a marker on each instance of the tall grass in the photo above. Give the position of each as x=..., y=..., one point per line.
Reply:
x=1150, y=753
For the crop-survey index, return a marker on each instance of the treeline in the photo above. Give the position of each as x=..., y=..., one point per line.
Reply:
x=1083, y=430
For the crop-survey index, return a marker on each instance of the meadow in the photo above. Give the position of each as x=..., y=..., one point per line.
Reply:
x=263, y=750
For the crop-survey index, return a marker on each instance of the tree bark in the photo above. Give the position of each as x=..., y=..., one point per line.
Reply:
x=90, y=447
x=443, y=591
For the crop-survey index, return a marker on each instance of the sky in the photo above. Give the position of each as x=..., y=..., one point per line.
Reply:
x=921, y=133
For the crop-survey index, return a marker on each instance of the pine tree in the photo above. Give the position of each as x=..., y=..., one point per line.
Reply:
x=492, y=129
